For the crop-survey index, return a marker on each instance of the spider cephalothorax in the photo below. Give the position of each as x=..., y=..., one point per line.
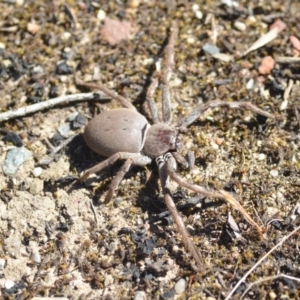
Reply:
x=160, y=139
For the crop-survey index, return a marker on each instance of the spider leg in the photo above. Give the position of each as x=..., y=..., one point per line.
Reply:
x=151, y=102
x=136, y=158
x=210, y=194
x=192, y=116
x=166, y=74
x=164, y=178
x=123, y=101
x=117, y=179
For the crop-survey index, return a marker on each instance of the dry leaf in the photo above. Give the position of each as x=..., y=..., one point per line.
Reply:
x=115, y=31
x=275, y=28
x=263, y=40
x=278, y=25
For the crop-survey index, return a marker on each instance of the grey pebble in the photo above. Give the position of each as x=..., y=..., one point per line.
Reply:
x=139, y=295
x=211, y=49
x=180, y=286
x=64, y=129
x=14, y=159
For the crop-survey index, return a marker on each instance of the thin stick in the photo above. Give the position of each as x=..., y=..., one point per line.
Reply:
x=23, y=111
x=260, y=261
x=267, y=279
x=193, y=115
x=124, y=102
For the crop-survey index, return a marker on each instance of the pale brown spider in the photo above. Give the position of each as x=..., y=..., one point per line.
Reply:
x=125, y=134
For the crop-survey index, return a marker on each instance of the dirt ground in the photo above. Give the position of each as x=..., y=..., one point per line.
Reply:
x=60, y=243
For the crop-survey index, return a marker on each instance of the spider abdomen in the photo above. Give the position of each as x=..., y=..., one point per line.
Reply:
x=116, y=130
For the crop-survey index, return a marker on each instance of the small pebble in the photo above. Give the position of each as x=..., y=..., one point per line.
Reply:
x=195, y=7
x=63, y=68
x=262, y=156
x=36, y=185
x=2, y=46
x=36, y=257
x=284, y=104
x=274, y=173
x=79, y=121
x=230, y=3
x=9, y=284
x=33, y=28
x=240, y=26
x=2, y=263
x=19, y=2
x=64, y=129
x=109, y=280
x=66, y=35
x=139, y=295
x=250, y=84
x=134, y=3
x=190, y=40
x=272, y=295
x=295, y=42
x=199, y=14
x=14, y=159
x=267, y=65
x=72, y=116
x=14, y=138
x=180, y=286
x=37, y=70
x=211, y=49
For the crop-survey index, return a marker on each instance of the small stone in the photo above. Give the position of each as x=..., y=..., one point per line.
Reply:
x=262, y=156
x=211, y=49
x=14, y=159
x=272, y=295
x=36, y=257
x=64, y=129
x=37, y=70
x=2, y=263
x=250, y=84
x=199, y=14
x=33, y=28
x=267, y=65
x=295, y=42
x=284, y=104
x=109, y=280
x=195, y=7
x=274, y=173
x=240, y=26
x=9, y=284
x=66, y=35
x=134, y=3
x=36, y=185
x=37, y=171
x=139, y=295
x=191, y=40
x=180, y=286
x=2, y=46
x=19, y=2
x=72, y=116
